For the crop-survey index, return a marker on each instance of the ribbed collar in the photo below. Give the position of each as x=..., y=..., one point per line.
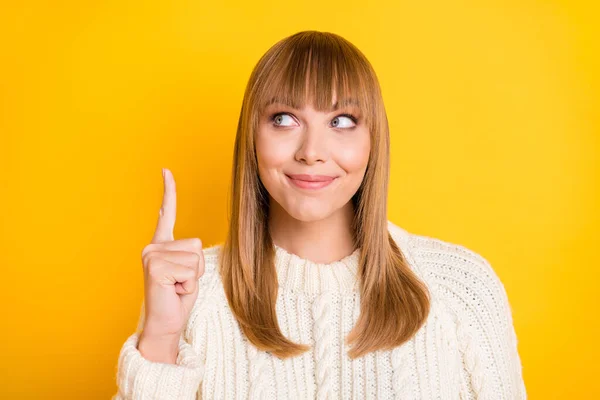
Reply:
x=301, y=275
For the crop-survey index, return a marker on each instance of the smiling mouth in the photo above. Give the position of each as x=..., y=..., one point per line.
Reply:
x=311, y=185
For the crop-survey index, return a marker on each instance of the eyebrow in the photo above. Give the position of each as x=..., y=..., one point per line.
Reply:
x=335, y=106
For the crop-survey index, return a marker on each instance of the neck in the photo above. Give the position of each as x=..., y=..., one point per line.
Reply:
x=322, y=240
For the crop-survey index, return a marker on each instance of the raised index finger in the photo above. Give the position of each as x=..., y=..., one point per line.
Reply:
x=166, y=219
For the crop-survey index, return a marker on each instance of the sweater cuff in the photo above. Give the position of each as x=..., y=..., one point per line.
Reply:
x=139, y=378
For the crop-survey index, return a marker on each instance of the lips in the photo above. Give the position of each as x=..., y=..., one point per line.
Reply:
x=312, y=178
x=311, y=182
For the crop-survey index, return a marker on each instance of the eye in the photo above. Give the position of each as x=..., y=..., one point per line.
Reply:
x=279, y=118
x=336, y=124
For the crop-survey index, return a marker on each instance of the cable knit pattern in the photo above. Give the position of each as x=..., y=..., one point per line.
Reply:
x=258, y=365
x=465, y=350
x=467, y=346
x=401, y=373
x=323, y=338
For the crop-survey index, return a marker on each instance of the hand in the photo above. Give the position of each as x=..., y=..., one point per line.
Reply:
x=171, y=272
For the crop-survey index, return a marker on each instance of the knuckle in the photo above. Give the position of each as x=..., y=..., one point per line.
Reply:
x=145, y=257
x=196, y=243
x=147, y=249
x=150, y=259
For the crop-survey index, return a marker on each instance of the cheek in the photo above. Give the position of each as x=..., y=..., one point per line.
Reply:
x=353, y=157
x=266, y=152
x=271, y=155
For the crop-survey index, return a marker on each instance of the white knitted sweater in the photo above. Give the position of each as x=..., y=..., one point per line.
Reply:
x=467, y=349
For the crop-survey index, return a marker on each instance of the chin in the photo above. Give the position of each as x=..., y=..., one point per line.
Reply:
x=308, y=214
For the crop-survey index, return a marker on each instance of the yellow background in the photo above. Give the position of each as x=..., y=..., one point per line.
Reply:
x=494, y=115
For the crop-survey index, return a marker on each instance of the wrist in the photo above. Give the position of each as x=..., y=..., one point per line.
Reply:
x=159, y=348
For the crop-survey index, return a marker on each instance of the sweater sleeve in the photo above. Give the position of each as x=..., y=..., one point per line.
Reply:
x=485, y=329
x=139, y=378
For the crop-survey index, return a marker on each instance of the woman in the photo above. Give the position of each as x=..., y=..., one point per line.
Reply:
x=314, y=293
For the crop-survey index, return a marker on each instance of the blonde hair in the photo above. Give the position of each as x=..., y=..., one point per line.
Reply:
x=311, y=65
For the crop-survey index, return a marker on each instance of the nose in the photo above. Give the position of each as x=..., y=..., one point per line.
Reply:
x=313, y=146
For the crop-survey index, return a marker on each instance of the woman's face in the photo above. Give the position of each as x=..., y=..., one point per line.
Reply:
x=308, y=142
